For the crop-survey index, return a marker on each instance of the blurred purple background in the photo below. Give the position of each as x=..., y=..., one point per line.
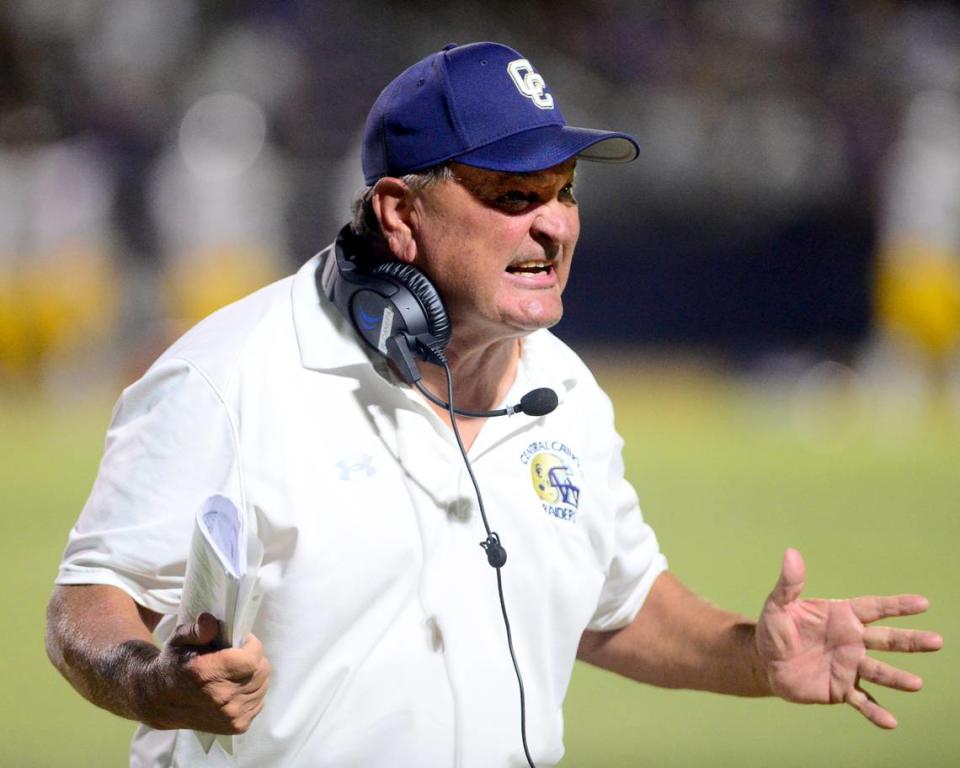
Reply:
x=158, y=159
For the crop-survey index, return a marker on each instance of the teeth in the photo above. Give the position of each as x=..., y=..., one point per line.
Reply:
x=526, y=265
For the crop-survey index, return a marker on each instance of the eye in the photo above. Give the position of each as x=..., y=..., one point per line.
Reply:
x=566, y=193
x=516, y=200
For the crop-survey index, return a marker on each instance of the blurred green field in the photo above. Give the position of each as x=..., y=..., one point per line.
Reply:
x=727, y=473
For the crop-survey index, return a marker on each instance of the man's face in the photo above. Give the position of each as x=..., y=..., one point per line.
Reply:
x=498, y=248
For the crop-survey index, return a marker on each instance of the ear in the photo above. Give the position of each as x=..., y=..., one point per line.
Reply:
x=393, y=204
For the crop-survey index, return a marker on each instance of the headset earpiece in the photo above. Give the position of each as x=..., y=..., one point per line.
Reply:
x=393, y=307
x=422, y=289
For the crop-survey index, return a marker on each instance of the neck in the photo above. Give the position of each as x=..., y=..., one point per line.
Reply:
x=482, y=376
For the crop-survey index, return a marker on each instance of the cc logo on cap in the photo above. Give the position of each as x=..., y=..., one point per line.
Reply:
x=530, y=83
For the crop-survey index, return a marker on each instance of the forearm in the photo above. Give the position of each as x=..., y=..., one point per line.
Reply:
x=678, y=640
x=101, y=642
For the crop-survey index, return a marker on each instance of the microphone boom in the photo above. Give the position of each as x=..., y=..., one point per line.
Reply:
x=537, y=402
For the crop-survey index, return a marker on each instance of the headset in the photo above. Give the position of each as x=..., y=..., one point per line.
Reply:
x=398, y=312
x=393, y=307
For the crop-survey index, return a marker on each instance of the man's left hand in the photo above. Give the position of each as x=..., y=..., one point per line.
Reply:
x=815, y=651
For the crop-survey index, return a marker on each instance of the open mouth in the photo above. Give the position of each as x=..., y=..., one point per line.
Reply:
x=530, y=268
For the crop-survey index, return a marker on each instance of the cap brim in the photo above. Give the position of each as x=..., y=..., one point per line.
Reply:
x=550, y=145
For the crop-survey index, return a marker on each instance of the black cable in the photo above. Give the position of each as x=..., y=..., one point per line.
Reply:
x=492, y=542
x=473, y=414
x=516, y=668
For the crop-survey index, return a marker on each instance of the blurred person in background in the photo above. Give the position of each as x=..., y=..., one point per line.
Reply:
x=380, y=631
x=218, y=197
x=220, y=191
x=917, y=354
x=58, y=281
x=136, y=156
x=85, y=101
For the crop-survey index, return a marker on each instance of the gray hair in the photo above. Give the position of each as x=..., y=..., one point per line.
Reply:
x=364, y=221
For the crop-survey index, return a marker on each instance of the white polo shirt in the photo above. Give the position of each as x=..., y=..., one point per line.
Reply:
x=380, y=613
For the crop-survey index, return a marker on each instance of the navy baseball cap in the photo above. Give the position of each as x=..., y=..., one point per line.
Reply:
x=483, y=105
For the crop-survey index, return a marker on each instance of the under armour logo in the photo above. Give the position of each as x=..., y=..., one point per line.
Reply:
x=365, y=465
x=530, y=83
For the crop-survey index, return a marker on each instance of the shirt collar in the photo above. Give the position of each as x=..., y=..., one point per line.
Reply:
x=544, y=362
x=328, y=343
x=325, y=339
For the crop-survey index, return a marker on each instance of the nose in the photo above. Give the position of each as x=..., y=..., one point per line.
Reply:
x=556, y=224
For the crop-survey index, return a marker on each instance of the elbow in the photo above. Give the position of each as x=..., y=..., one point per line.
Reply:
x=53, y=637
x=64, y=644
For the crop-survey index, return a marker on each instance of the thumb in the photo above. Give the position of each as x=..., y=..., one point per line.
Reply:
x=204, y=631
x=792, y=575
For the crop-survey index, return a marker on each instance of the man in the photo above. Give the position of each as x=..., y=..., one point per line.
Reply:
x=381, y=621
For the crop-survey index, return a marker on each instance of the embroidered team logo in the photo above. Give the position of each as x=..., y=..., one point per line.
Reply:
x=555, y=476
x=531, y=84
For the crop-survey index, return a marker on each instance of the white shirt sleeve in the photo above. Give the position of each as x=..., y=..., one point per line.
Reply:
x=635, y=559
x=170, y=445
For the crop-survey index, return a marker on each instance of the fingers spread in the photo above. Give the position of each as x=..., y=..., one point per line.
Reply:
x=878, y=672
x=869, y=609
x=904, y=640
x=865, y=704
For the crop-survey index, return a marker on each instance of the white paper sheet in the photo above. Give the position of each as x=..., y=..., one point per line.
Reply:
x=221, y=579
